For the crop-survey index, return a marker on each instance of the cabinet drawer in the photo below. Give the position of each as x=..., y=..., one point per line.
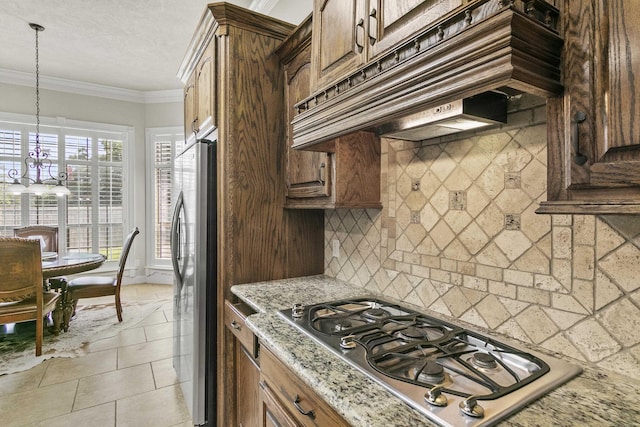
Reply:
x=234, y=319
x=273, y=413
x=295, y=396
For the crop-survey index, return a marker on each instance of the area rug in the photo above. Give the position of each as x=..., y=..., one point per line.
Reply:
x=92, y=323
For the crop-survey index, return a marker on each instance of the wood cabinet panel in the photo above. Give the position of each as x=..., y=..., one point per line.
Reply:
x=339, y=34
x=392, y=21
x=272, y=412
x=357, y=170
x=354, y=160
x=348, y=33
x=200, y=97
x=189, y=100
x=234, y=319
x=307, y=171
x=293, y=396
x=343, y=173
x=205, y=84
x=594, y=131
x=247, y=391
x=617, y=79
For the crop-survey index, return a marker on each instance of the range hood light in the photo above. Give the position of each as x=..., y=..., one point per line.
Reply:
x=464, y=124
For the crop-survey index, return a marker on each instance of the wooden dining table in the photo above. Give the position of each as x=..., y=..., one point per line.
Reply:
x=54, y=268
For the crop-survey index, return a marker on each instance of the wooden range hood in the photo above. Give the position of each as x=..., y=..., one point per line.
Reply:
x=510, y=46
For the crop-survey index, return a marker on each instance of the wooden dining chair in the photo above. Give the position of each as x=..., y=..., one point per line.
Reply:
x=21, y=287
x=49, y=235
x=99, y=286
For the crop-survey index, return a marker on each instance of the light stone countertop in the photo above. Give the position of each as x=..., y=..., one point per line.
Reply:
x=595, y=398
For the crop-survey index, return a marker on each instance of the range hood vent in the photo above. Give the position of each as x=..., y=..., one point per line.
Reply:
x=482, y=110
x=494, y=46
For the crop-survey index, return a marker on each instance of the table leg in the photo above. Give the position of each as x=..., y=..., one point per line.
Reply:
x=60, y=319
x=57, y=318
x=67, y=311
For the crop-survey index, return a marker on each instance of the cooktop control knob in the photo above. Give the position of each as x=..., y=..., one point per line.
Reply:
x=435, y=397
x=297, y=311
x=347, y=342
x=470, y=407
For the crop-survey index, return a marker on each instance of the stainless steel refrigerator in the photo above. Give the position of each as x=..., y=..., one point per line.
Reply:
x=194, y=258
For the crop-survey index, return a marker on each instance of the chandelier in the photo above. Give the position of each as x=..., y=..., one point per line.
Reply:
x=38, y=159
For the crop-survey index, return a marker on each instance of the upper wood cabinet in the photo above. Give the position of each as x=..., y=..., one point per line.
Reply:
x=205, y=85
x=339, y=33
x=189, y=99
x=354, y=170
x=348, y=33
x=307, y=171
x=392, y=21
x=416, y=55
x=344, y=172
x=594, y=130
x=199, y=97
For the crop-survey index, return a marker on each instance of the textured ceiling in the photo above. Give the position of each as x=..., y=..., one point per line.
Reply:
x=128, y=44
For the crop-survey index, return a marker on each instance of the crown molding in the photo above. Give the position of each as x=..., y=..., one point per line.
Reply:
x=91, y=89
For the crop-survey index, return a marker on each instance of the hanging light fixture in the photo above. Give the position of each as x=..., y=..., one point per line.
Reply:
x=37, y=159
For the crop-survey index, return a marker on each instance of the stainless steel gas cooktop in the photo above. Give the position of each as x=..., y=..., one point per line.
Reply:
x=454, y=376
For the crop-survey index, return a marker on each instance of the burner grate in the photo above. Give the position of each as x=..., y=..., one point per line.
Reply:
x=437, y=367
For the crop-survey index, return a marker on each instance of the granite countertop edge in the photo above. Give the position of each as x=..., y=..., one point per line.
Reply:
x=595, y=398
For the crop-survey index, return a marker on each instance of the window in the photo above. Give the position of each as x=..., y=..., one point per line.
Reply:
x=161, y=149
x=94, y=218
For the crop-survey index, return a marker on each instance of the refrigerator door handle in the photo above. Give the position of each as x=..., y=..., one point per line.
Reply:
x=175, y=241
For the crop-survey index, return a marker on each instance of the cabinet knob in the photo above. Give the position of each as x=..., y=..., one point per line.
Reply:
x=235, y=325
x=578, y=158
x=309, y=413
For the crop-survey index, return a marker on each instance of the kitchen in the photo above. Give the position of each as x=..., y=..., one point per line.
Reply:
x=453, y=229
x=464, y=231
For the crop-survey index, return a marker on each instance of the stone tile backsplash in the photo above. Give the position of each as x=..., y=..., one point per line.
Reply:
x=458, y=234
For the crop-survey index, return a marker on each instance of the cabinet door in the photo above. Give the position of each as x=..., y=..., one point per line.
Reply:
x=247, y=392
x=205, y=84
x=247, y=371
x=189, y=99
x=273, y=414
x=339, y=39
x=615, y=151
x=308, y=171
x=391, y=21
x=594, y=132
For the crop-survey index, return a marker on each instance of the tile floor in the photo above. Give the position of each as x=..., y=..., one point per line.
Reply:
x=127, y=380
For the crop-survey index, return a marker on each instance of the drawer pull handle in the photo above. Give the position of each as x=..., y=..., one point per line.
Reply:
x=360, y=25
x=321, y=173
x=309, y=413
x=194, y=126
x=579, y=158
x=372, y=26
x=235, y=325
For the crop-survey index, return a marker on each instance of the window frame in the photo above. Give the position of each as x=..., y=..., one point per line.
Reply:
x=65, y=127
x=152, y=135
